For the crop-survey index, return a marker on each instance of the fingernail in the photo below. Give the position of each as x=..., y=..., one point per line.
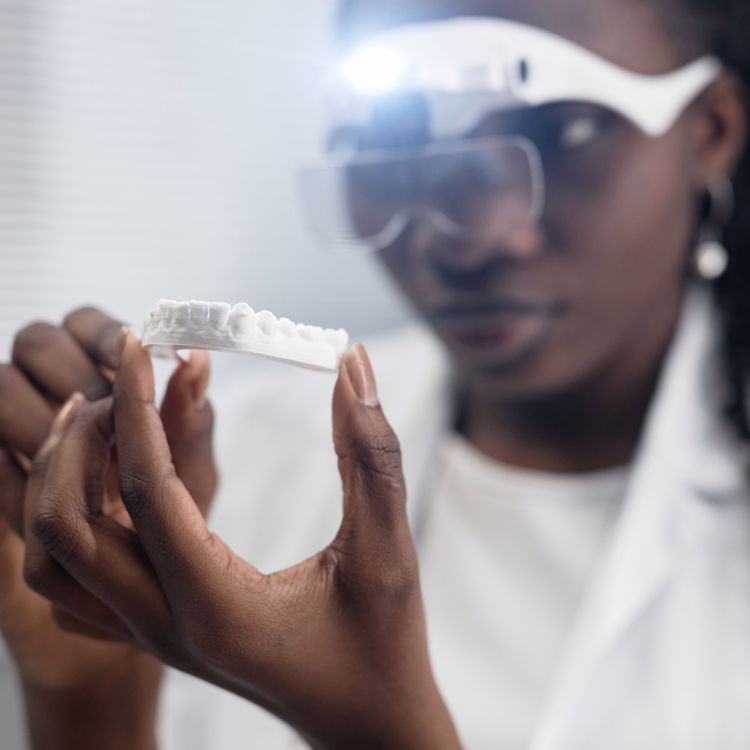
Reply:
x=361, y=376
x=122, y=342
x=127, y=334
x=71, y=406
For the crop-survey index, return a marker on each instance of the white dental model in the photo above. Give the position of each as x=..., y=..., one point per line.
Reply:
x=217, y=326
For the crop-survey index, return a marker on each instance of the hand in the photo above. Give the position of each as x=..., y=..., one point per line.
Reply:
x=335, y=646
x=60, y=670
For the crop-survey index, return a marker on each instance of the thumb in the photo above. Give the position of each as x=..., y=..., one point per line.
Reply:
x=369, y=458
x=188, y=423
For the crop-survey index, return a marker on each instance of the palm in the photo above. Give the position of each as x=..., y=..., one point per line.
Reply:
x=51, y=658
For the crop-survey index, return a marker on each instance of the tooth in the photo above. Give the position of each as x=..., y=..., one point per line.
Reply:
x=267, y=322
x=199, y=311
x=169, y=324
x=218, y=313
x=287, y=327
x=242, y=319
x=343, y=337
x=338, y=338
x=182, y=311
x=166, y=310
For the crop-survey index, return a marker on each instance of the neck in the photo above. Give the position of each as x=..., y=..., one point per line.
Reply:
x=593, y=426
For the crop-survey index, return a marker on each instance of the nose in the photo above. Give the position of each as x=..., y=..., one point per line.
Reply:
x=470, y=257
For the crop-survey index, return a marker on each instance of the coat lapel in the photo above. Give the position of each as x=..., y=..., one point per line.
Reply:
x=688, y=465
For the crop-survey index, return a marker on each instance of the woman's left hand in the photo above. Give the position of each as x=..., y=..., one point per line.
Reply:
x=335, y=646
x=86, y=687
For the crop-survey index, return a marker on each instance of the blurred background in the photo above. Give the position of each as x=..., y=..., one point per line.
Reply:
x=149, y=148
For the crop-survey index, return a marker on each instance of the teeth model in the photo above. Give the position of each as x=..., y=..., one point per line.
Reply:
x=216, y=326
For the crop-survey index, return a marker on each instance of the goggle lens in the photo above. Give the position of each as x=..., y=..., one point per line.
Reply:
x=468, y=188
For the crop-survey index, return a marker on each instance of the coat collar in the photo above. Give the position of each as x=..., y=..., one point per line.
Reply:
x=689, y=475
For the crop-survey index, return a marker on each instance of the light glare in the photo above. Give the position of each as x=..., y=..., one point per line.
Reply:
x=373, y=71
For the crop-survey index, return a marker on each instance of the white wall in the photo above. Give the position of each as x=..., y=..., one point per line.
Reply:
x=148, y=149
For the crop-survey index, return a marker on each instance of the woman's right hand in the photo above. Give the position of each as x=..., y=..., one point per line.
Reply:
x=335, y=646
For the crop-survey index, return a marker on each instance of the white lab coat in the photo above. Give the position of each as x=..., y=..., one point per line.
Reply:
x=660, y=656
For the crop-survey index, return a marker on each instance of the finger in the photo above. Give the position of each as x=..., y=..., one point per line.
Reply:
x=38, y=565
x=38, y=470
x=46, y=577
x=12, y=487
x=101, y=555
x=375, y=524
x=25, y=417
x=54, y=361
x=97, y=333
x=76, y=626
x=169, y=524
x=42, y=573
x=188, y=423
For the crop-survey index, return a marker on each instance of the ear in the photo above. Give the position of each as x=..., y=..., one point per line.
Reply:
x=720, y=130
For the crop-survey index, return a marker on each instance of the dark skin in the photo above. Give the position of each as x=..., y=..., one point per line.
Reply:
x=80, y=682
x=335, y=646
x=619, y=282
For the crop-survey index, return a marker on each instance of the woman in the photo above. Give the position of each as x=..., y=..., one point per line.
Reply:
x=581, y=521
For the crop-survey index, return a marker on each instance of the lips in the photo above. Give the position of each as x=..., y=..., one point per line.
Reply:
x=500, y=332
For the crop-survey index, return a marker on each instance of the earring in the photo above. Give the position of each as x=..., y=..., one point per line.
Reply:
x=711, y=256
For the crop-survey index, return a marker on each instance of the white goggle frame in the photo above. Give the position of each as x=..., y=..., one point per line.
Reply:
x=325, y=193
x=468, y=68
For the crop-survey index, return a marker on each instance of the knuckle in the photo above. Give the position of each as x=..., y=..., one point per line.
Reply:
x=57, y=532
x=10, y=378
x=122, y=401
x=81, y=312
x=380, y=452
x=34, y=337
x=140, y=492
x=99, y=329
x=135, y=491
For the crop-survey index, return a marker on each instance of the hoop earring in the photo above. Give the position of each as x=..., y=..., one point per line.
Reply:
x=711, y=256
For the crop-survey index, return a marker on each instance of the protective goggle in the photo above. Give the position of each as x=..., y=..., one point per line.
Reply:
x=409, y=98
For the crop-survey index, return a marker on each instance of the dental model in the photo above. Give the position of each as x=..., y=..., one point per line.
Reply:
x=216, y=326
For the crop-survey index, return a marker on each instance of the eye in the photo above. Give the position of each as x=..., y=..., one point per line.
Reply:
x=579, y=132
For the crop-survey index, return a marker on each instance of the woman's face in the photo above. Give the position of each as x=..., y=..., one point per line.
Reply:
x=597, y=284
